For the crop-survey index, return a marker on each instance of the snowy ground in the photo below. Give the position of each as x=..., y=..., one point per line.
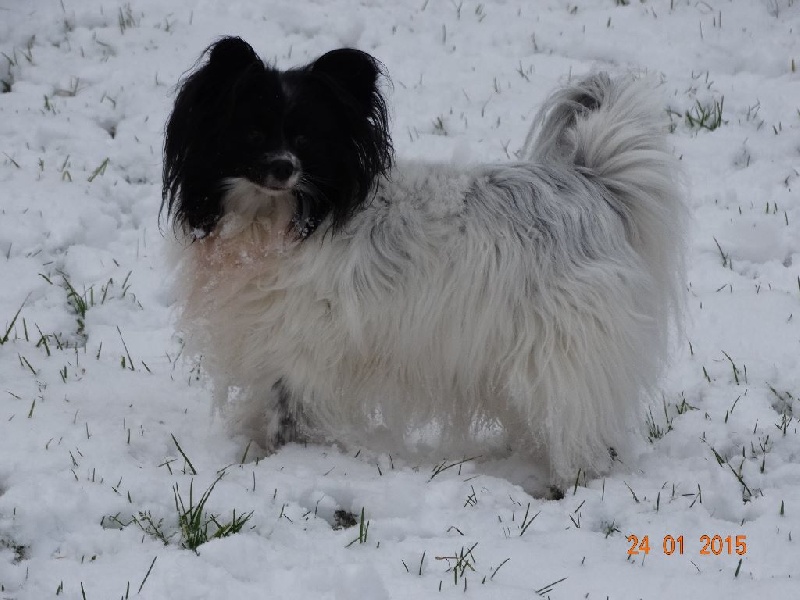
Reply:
x=102, y=423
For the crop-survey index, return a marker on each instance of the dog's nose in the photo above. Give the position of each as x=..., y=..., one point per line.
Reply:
x=281, y=169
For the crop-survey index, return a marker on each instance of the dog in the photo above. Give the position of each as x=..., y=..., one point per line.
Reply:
x=337, y=294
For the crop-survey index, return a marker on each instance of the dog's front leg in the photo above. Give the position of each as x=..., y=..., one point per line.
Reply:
x=284, y=420
x=264, y=413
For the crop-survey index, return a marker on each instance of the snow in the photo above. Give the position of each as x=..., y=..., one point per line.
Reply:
x=89, y=404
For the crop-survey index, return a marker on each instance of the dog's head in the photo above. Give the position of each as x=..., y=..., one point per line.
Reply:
x=243, y=134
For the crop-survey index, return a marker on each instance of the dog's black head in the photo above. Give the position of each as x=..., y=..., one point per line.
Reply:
x=318, y=132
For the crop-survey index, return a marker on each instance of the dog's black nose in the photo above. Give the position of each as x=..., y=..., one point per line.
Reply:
x=281, y=169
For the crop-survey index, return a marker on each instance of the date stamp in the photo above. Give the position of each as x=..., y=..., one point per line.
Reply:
x=707, y=545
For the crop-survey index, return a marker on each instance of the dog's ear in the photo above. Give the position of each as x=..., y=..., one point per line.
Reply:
x=355, y=71
x=232, y=54
x=202, y=109
x=202, y=92
x=351, y=78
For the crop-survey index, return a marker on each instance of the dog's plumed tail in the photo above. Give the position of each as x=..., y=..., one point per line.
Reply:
x=614, y=131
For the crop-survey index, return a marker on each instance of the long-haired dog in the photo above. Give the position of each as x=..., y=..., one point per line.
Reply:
x=336, y=294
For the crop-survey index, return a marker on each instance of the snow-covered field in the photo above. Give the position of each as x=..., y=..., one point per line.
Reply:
x=105, y=428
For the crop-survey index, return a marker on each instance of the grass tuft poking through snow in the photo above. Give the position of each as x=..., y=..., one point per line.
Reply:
x=194, y=521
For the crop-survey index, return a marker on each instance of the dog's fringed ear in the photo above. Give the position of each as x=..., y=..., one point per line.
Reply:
x=355, y=71
x=352, y=79
x=232, y=53
x=204, y=101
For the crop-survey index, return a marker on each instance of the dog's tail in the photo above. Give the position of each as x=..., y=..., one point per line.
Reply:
x=614, y=132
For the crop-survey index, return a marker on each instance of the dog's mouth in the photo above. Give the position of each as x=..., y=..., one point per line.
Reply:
x=270, y=184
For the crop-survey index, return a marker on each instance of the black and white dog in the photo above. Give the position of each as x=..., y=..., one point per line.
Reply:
x=335, y=293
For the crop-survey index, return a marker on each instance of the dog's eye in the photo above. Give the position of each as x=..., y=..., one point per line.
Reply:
x=255, y=138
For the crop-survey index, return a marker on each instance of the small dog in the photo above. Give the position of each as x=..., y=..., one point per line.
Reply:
x=335, y=293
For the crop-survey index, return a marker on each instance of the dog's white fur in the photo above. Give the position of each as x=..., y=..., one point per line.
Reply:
x=536, y=296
